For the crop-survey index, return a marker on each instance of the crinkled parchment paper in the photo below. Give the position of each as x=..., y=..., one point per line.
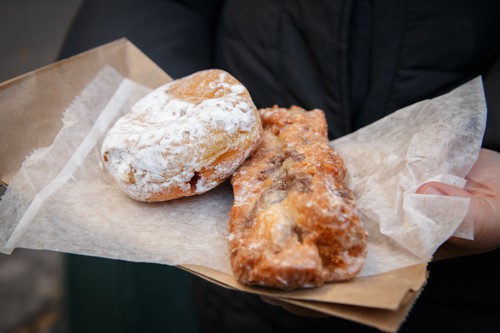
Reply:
x=62, y=199
x=437, y=139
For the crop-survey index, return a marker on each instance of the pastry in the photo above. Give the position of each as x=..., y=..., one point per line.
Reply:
x=294, y=223
x=184, y=138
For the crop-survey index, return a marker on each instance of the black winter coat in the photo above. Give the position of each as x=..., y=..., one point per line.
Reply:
x=356, y=60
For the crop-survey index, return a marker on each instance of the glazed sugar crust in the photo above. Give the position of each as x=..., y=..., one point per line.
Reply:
x=293, y=223
x=184, y=138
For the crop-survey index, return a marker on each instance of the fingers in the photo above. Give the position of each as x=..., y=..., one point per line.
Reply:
x=486, y=215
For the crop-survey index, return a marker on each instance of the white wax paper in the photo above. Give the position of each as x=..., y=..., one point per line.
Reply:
x=64, y=200
x=437, y=139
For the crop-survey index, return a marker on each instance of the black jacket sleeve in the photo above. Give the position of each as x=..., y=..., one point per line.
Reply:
x=176, y=35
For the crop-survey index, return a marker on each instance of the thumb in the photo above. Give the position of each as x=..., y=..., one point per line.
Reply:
x=482, y=211
x=438, y=188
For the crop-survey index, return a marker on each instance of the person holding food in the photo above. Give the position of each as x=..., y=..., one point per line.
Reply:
x=358, y=61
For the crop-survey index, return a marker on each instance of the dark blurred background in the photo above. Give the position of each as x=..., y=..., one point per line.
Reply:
x=31, y=33
x=31, y=282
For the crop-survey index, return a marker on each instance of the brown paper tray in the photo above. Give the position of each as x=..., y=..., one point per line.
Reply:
x=381, y=301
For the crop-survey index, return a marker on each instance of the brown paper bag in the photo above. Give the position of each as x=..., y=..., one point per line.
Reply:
x=30, y=117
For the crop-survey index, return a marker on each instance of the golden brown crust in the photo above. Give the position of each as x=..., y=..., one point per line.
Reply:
x=293, y=223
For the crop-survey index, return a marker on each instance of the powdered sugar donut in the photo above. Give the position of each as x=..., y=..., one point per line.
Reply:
x=184, y=138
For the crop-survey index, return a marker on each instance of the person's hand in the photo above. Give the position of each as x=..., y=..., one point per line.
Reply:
x=483, y=187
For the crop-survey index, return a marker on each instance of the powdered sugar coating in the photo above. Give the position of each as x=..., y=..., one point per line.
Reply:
x=183, y=138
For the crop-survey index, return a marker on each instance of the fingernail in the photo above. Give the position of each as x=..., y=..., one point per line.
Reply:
x=433, y=190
